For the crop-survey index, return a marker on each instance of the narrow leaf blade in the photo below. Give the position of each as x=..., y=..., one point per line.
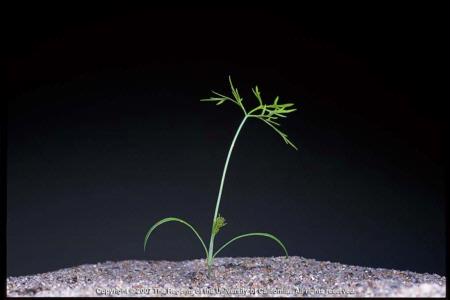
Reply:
x=173, y=219
x=263, y=234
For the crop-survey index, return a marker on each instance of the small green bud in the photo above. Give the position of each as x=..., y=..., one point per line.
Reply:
x=218, y=224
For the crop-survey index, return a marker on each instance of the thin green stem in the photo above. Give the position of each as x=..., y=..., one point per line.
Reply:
x=211, y=241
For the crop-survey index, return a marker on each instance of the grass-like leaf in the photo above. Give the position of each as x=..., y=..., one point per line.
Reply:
x=173, y=219
x=264, y=234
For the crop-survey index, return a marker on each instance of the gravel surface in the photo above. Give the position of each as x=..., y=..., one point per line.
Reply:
x=231, y=277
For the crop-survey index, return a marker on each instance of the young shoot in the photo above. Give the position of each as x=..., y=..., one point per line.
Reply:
x=269, y=113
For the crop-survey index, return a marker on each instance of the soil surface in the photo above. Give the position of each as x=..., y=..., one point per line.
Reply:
x=231, y=277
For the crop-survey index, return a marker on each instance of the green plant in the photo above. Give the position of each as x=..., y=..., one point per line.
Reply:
x=267, y=113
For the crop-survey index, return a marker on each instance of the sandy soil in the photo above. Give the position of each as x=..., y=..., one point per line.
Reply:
x=231, y=277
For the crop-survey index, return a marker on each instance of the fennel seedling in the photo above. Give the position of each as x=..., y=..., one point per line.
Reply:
x=266, y=113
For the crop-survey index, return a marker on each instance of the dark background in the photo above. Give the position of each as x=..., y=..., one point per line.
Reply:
x=106, y=134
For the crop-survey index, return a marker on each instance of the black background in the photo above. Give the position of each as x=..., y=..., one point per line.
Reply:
x=106, y=134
